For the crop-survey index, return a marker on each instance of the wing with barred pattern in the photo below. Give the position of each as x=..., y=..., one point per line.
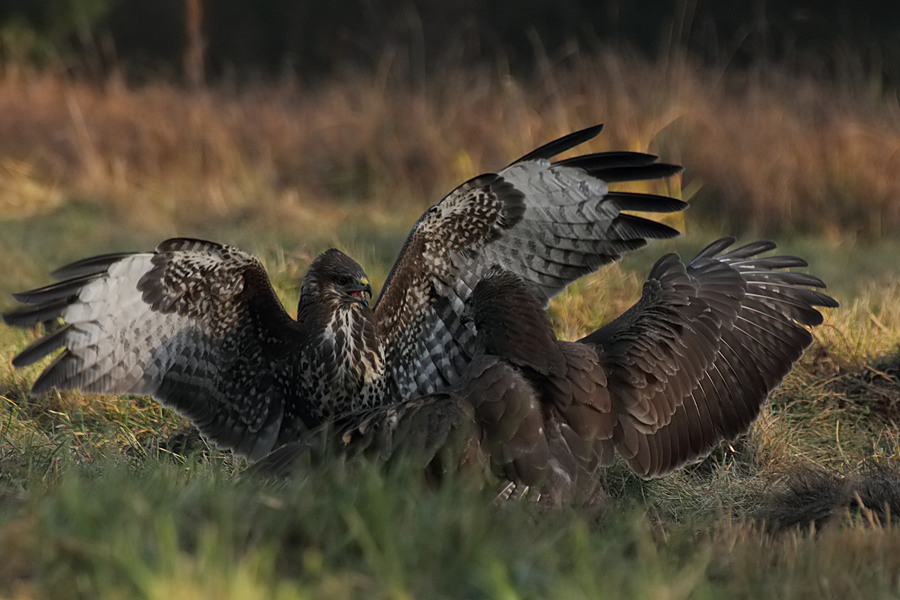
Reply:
x=195, y=324
x=549, y=223
x=689, y=365
x=692, y=363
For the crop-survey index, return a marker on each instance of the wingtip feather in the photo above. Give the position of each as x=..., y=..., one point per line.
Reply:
x=560, y=145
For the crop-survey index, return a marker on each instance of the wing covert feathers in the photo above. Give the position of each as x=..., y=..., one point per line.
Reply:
x=169, y=323
x=689, y=365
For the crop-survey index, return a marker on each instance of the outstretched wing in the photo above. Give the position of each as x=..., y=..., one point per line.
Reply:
x=692, y=362
x=548, y=223
x=194, y=324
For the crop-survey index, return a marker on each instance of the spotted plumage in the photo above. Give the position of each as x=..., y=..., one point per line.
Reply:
x=197, y=325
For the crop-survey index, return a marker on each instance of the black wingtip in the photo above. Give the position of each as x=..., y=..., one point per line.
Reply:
x=608, y=160
x=23, y=317
x=41, y=347
x=640, y=202
x=714, y=248
x=28, y=317
x=86, y=267
x=827, y=301
x=67, y=288
x=22, y=297
x=628, y=226
x=558, y=146
x=637, y=173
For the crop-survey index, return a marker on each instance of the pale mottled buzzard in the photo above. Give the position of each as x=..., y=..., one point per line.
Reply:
x=197, y=325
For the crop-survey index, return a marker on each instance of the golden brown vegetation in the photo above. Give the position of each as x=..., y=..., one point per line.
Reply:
x=765, y=151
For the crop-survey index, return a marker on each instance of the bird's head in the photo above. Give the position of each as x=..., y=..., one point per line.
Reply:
x=335, y=277
x=501, y=305
x=510, y=321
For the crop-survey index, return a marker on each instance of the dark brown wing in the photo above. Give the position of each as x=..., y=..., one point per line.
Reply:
x=576, y=417
x=579, y=414
x=195, y=324
x=688, y=366
x=548, y=223
x=512, y=324
x=692, y=362
x=421, y=430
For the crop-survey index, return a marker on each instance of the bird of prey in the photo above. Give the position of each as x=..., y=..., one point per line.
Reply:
x=197, y=325
x=689, y=365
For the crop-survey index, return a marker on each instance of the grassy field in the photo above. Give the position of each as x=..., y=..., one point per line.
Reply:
x=113, y=497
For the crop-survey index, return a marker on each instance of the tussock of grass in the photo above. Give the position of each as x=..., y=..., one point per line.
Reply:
x=813, y=498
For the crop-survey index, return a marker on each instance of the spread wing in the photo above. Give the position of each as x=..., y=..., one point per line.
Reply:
x=194, y=324
x=692, y=362
x=535, y=409
x=549, y=223
x=531, y=429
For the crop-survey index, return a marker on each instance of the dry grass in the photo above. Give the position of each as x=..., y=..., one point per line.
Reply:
x=766, y=152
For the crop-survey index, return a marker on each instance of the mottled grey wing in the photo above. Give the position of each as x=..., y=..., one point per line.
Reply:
x=572, y=224
x=693, y=361
x=194, y=324
x=548, y=223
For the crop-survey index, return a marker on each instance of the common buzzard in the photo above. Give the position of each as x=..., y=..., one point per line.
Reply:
x=690, y=364
x=196, y=324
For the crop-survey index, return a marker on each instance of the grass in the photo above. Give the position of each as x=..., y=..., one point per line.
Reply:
x=113, y=497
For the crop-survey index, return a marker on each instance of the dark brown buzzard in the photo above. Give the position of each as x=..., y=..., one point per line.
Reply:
x=686, y=367
x=196, y=324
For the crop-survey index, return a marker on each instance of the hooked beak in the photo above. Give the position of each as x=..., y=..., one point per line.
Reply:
x=361, y=292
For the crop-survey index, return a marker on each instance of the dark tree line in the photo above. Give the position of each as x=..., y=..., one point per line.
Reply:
x=211, y=38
